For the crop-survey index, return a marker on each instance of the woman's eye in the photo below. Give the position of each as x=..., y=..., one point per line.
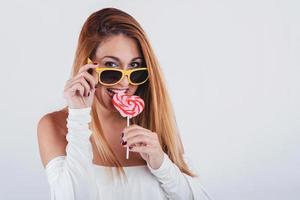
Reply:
x=110, y=64
x=135, y=64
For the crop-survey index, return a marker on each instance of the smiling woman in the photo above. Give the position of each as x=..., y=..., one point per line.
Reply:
x=84, y=143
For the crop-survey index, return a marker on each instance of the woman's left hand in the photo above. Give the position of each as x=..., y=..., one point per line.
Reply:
x=145, y=142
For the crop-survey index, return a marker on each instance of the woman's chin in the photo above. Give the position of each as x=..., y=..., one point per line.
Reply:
x=108, y=103
x=105, y=100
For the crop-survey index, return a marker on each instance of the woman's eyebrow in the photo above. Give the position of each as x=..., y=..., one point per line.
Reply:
x=137, y=58
x=112, y=57
x=117, y=59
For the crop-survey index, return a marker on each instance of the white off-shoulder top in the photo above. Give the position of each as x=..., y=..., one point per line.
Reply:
x=74, y=177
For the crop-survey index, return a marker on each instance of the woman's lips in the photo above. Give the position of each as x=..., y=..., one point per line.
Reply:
x=113, y=91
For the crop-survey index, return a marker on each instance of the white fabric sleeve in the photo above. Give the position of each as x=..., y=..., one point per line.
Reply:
x=176, y=184
x=71, y=177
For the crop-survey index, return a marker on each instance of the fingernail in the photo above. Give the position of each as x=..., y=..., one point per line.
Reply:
x=130, y=147
x=124, y=142
x=95, y=63
x=89, y=94
x=122, y=135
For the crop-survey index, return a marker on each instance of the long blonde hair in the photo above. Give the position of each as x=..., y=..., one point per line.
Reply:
x=158, y=115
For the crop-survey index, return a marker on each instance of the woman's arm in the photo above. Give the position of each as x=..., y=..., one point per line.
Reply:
x=176, y=184
x=70, y=174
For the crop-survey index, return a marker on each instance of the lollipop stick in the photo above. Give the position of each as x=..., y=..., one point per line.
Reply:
x=127, y=149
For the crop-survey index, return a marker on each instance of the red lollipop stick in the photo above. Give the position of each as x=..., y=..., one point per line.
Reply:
x=128, y=106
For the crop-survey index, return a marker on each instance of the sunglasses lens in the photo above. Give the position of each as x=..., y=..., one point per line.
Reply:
x=110, y=76
x=139, y=76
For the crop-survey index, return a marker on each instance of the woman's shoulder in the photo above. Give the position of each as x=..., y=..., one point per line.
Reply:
x=58, y=119
x=51, y=134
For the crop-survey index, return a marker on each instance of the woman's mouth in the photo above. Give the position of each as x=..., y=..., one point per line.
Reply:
x=112, y=91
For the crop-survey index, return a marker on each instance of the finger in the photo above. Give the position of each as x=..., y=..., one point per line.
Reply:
x=87, y=67
x=69, y=88
x=138, y=131
x=67, y=85
x=139, y=139
x=141, y=149
x=134, y=127
x=86, y=73
x=82, y=69
x=73, y=80
x=85, y=77
x=76, y=87
x=140, y=144
x=84, y=83
x=91, y=80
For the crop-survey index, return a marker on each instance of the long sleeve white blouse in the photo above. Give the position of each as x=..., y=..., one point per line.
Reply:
x=74, y=176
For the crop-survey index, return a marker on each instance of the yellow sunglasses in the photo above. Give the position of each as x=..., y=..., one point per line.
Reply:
x=112, y=76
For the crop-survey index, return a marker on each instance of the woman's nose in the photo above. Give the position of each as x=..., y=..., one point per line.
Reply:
x=124, y=82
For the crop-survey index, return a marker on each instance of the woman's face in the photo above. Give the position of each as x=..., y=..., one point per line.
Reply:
x=121, y=52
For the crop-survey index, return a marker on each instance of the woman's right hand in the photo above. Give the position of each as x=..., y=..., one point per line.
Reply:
x=79, y=91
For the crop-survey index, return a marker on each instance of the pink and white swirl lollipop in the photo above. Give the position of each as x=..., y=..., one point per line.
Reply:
x=128, y=106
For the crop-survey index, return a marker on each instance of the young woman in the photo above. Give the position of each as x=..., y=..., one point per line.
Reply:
x=83, y=146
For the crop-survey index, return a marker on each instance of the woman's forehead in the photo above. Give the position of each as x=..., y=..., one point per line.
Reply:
x=120, y=46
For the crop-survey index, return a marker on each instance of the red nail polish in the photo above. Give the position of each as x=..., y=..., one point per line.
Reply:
x=130, y=147
x=95, y=63
x=124, y=142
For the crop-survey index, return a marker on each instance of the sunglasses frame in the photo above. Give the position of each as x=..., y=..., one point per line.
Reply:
x=125, y=72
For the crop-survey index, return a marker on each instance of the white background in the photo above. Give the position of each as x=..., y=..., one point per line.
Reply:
x=232, y=68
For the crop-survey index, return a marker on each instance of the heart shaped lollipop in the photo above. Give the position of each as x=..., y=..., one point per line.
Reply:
x=127, y=105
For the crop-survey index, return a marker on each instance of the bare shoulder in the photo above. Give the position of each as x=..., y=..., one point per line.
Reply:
x=51, y=134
